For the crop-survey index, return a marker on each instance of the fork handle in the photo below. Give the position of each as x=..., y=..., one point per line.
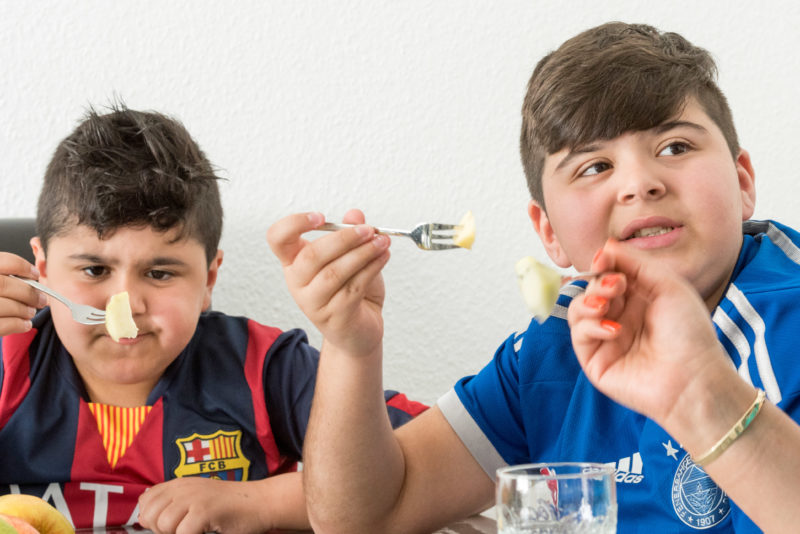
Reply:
x=580, y=276
x=43, y=289
x=332, y=227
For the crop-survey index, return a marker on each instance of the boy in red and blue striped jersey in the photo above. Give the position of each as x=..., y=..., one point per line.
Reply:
x=205, y=412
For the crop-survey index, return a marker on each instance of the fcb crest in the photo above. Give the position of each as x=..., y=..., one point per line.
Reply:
x=217, y=455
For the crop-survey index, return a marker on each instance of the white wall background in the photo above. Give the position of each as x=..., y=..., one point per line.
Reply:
x=408, y=110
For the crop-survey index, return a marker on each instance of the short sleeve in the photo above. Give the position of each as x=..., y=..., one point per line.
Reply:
x=290, y=373
x=484, y=410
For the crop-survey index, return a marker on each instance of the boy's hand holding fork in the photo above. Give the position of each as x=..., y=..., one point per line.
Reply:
x=18, y=301
x=336, y=278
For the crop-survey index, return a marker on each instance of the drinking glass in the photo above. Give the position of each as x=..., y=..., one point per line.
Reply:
x=560, y=497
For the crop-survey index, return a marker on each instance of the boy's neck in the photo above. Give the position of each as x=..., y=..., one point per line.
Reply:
x=713, y=300
x=123, y=395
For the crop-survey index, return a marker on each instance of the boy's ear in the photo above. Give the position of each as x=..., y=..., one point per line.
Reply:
x=541, y=223
x=211, y=279
x=747, y=178
x=38, y=256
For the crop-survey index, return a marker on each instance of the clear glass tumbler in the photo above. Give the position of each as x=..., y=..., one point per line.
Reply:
x=559, y=497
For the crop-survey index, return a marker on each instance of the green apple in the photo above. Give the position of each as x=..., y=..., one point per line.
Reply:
x=40, y=516
x=540, y=285
x=14, y=525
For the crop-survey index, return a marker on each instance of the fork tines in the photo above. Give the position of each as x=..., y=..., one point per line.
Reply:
x=441, y=236
x=442, y=231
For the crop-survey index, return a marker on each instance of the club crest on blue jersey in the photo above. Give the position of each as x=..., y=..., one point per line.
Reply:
x=217, y=455
x=697, y=499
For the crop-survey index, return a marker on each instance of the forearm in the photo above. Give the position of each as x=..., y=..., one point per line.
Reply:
x=198, y=504
x=281, y=502
x=353, y=464
x=760, y=469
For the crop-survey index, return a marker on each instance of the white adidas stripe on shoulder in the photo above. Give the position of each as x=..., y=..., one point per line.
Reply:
x=754, y=320
x=783, y=242
x=519, y=337
x=570, y=290
x=732, y=331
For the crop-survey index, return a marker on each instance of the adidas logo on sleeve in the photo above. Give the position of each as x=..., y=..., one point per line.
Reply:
x=629, y=469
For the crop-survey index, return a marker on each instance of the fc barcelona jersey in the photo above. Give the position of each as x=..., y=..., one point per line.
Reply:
x=234, y=405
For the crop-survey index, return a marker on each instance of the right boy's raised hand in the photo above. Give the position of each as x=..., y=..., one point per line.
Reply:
x=336, y=278
x=18, y=300
x=644, y=336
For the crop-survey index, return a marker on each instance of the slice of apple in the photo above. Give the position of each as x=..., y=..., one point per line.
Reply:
x=540, y=285
x=465, y=231
x=119, y=318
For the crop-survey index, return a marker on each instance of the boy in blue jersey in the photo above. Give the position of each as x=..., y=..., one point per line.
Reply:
x=204, y=412
x=657, y=366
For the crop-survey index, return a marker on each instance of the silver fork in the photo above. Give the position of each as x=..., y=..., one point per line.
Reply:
x=424, y=235
x=80, y=312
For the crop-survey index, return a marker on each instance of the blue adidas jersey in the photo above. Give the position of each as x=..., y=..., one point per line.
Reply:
x=532, y=402
x=234, y=405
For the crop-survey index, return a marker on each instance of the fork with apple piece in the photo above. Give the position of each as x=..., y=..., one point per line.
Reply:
x=427, y=236
x=117, y=316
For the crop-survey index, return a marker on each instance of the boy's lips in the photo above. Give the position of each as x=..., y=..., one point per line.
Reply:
x=124, y=340
x=651, y=232
x=129, y=340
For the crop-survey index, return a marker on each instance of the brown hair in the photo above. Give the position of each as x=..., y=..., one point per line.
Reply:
x=131, y=168
x=613, y=79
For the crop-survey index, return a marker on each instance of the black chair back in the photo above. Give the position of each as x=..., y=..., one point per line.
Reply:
x=15, y=236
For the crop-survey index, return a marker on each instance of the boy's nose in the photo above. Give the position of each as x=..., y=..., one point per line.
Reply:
x=135, y=294
x=640, y=184
x=137, y=301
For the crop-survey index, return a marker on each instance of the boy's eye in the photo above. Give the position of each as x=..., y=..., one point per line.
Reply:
x=95, y=271
x=595, y=168
x=159, y=275
x=674, y=149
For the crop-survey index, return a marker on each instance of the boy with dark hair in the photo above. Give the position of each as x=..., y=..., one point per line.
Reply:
x=205, y=412
x=635, y=172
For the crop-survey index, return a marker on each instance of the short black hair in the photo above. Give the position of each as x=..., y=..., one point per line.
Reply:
x=131, y=168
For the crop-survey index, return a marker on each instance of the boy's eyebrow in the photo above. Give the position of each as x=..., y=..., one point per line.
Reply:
x=89, y=258
x=575, y=152
x=656, y=130
x=157, y=261
x=666, y=126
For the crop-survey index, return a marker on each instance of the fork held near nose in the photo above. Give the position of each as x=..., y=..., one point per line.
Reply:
x=80, y=312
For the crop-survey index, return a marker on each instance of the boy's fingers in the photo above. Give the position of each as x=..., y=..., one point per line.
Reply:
x=341, y=271
x=599, y=299
x=21, y=293
x=588, y=338
x=284, y=236
x=13, y=264
x=354, y=216
x=647, y=275
x=13, y=325
x=317, y=256
x=14, y=308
